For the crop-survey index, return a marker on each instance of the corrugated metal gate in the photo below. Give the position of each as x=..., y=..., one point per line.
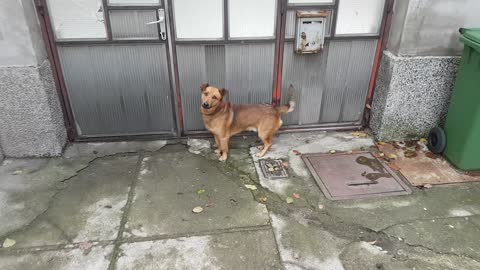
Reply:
x=123, y=76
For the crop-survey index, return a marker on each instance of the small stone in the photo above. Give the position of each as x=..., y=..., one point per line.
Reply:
x=289, y=200
x=321, y=206
x=251, y=187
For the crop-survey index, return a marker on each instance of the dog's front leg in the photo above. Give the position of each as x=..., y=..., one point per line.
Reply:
x=217, y=144
x=224, y=147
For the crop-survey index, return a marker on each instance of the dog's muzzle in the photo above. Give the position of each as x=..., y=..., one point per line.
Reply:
x=205, y=105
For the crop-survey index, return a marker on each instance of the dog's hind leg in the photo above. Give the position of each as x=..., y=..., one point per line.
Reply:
x=266, y=138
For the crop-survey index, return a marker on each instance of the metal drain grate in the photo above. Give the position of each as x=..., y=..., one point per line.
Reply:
x=353, y=176
x=273, y=168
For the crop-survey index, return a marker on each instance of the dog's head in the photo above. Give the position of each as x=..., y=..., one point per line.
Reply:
x=211, y=96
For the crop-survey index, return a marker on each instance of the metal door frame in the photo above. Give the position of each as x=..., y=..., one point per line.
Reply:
x=171, y=42
x=52, y=51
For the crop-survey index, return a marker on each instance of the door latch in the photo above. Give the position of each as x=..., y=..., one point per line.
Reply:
x=161, y=22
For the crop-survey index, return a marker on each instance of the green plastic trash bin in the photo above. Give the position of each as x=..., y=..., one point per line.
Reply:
x=462, y=127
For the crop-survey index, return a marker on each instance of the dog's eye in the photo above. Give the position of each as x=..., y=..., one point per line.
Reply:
x=214, y=97
x=205, y=94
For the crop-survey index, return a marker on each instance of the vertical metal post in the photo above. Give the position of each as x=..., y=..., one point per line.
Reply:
x=174, y=65
x=381, y=45
x=49, y=39
x=279, y=50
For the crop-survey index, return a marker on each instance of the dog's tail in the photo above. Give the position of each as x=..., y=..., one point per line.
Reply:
x=291, y=102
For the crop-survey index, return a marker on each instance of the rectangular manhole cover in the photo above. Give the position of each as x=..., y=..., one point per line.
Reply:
x=353, y=176
x=273, y=168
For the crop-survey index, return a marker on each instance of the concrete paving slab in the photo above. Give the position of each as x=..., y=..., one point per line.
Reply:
x=449, y=235
x=174, y=181
x=239, y=250
x=88, y=208
x=437, y=202
x=98, y=258
x=364, y=256
x=305, y=246
x=28, y=185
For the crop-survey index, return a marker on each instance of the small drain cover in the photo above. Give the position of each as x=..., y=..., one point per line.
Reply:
x=273, y=168
x=353, y=176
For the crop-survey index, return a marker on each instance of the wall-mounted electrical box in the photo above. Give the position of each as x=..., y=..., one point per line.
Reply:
x=310, y=31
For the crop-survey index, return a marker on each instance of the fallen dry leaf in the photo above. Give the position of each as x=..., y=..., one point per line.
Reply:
x=321, y=206
x=372, y=242
x=431, y=155
x=296, y=195
x=392, y=156
x=368, y=106
x=289, y=200
x=285, y=164
x=427, y=186
x=296, y=152
x=211, y=204
x=381, y=143
x=423, y=140
x=251, y=187
x=85, y=246
x=17, y=172
x=8, y=243
x=410, y=154
x=263, y=199
x=359, y=134
x=381, y=154
x=197, y=209
x=200, y=191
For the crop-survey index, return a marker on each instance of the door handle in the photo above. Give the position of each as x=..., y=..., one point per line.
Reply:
x=161, y=22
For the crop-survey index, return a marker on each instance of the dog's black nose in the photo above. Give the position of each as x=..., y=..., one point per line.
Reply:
x=205, y=105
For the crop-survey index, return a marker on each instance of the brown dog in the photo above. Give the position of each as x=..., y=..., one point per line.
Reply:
x=225, y=119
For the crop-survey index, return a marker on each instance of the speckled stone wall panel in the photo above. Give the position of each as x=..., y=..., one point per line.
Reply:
x=31, y=120
x=411, y=95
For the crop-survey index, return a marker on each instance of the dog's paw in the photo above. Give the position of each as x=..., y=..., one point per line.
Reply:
x=260, y=147
x=223, y=158
x=260, y=155
x=217, y=151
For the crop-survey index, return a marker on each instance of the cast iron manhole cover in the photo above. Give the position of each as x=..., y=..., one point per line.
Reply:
x=273, y=168
x=353, y=176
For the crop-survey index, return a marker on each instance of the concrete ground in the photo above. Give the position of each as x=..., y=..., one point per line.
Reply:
x=129, y=206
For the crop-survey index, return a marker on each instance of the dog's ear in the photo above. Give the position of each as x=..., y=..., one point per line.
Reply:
x=223, y=92
x=203, y=87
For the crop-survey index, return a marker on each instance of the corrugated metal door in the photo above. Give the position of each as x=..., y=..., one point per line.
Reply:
x=115, y=63
x=134, y=67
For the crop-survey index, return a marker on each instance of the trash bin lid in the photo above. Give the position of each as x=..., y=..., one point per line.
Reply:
x=471, y=38
x=473, y=34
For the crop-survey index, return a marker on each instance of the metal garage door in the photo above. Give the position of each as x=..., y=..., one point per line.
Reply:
x=134, y=67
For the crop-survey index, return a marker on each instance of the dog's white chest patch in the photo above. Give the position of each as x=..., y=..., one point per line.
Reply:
x=252, y=129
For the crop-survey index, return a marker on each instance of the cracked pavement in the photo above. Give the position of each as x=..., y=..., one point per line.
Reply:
x=128, y=205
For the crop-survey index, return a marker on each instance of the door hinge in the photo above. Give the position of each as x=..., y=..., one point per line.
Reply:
x=71, y=133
